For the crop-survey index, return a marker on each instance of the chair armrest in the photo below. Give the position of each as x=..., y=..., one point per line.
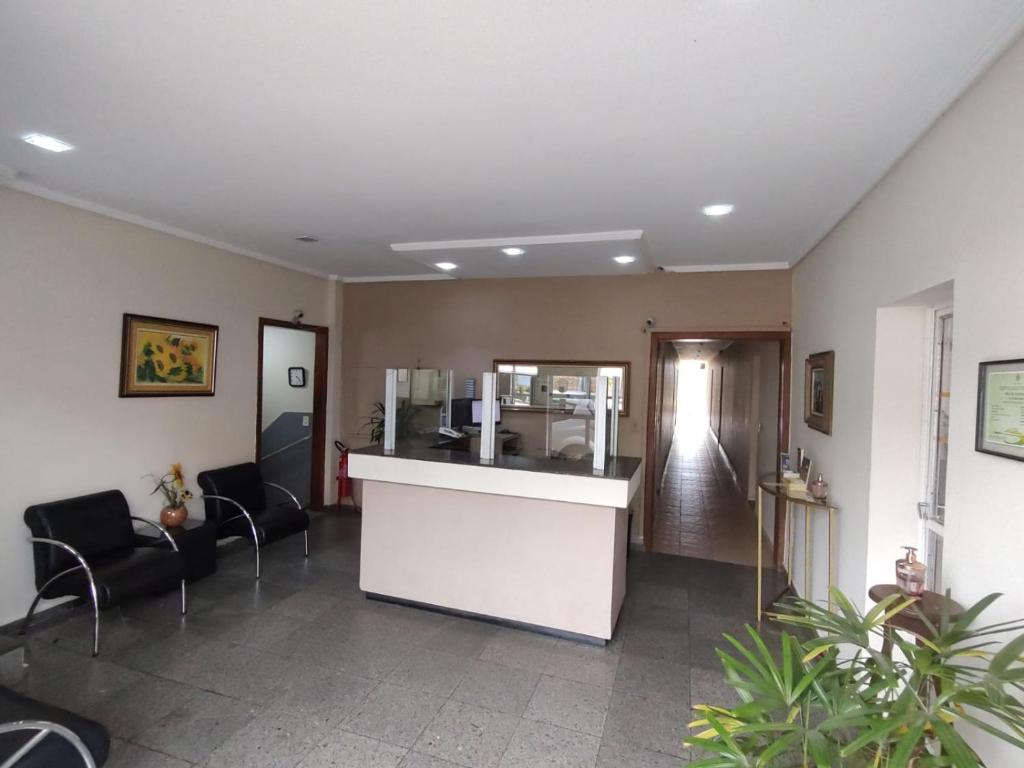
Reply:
x=71, y=551
x=44, y=728
x=163, y=531
x=286, y=491
x=244, y=513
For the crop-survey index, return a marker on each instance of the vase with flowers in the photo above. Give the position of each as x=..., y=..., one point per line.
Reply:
x=172, y=486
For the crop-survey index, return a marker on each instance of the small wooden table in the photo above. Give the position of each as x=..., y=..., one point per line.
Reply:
x=929, y=606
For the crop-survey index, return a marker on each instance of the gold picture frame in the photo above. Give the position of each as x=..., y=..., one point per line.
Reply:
x=819, y=372
x=167, y=358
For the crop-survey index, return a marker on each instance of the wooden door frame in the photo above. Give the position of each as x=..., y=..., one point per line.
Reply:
x=785, y=371
x=316, y=490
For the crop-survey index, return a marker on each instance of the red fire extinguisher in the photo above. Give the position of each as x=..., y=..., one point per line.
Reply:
x=344, y=482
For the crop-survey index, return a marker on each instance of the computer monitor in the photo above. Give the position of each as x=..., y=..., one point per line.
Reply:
x=462, y=412
x=478, y=409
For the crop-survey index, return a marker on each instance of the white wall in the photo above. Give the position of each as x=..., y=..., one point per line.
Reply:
x=285, y=348
x=950, y=210
x=67, y=276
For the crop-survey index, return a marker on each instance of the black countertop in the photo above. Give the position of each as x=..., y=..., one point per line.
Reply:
x=423, y=449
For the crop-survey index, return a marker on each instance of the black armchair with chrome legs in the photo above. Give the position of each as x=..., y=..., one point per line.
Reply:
x=85, y=547
x=236, y=500
x=38, y=735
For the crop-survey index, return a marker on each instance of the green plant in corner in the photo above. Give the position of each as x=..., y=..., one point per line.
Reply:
x=403, y=421
x=836, y=700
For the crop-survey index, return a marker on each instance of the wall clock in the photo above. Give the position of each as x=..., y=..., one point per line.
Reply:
x=297, y=377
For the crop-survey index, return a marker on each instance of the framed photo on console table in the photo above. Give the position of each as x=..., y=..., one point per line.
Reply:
x=1000, y=423
x=163, y=358
x=819, y=370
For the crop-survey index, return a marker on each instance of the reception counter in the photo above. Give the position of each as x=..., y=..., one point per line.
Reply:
x=530, y=541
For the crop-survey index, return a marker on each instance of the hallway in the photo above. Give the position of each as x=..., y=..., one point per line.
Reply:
x=700, y=512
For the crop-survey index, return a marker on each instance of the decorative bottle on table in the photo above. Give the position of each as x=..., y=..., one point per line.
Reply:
x=910, y=573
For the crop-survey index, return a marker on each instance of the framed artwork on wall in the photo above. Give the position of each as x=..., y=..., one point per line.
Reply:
x=1000, y=419
x=167, y=358
x=819, y=370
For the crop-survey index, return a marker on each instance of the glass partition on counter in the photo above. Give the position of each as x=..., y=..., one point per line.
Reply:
x=416, y=401
x=543, y=385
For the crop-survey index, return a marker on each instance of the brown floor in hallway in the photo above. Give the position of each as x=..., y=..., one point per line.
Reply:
x=701, y=512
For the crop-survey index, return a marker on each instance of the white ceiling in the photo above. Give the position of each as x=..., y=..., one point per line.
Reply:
x=249, y=123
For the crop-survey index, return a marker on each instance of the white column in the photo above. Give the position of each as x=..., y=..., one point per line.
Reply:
x=390, y=408
x=600, y=423
x=613, y=440
x=487, y=395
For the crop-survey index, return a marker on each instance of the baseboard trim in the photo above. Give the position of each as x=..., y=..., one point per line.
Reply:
x=508, y=623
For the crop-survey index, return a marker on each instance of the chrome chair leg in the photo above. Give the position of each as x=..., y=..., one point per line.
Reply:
x=184, y=600
x=95, y=621
x=305, y=535
x=256, y=548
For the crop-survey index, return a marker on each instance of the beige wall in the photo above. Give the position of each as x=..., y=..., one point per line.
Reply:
x=466, y=324
x=67, y=277
x=950, y=210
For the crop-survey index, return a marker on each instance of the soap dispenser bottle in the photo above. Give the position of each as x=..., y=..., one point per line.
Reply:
x=910, y=573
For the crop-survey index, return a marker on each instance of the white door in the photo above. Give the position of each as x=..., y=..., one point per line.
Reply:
x=933, y=508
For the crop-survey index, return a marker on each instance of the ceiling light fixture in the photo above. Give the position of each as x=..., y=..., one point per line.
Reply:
x=513, y=251
x=308, y=239
x=718, y=209
x=48, y=143
x=447, y=266
x=625, y=259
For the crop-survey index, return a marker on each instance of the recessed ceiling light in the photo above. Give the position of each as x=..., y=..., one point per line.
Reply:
x=718, y=209
x=624, y=259
x=447, y=266
x=49, y=143
x=308, y=239
x=513, y=251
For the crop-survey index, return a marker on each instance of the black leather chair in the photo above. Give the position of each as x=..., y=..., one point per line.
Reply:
x=38, y=735
x=236, y=500
x=85, y=547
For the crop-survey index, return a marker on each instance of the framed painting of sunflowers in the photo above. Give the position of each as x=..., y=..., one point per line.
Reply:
x=161, y=357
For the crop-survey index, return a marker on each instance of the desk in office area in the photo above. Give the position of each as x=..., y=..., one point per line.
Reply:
x=534, y=541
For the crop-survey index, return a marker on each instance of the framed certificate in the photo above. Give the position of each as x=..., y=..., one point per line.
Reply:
x=1000, y=428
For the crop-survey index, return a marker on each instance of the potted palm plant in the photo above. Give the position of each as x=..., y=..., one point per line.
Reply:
x=404, y=416
x=834, y=699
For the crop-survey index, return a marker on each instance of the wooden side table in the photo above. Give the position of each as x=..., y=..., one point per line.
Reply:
x=929, y=606
x=197, y=543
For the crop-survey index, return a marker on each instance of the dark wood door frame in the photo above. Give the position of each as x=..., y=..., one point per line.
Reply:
x=316, y=491
x=785, y=369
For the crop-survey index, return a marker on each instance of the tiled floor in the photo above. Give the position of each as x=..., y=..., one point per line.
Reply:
x=701, y=512
x=302, y=670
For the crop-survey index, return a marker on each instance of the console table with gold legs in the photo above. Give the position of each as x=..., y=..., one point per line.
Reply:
x=788, y=500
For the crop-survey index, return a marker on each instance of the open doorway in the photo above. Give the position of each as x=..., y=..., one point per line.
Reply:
x=718, y=413
x=291, y=398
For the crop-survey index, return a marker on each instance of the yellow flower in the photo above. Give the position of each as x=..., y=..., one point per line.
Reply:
x=177, y=474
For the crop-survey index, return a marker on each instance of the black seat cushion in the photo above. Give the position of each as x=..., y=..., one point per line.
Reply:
x=141, y=571
x=54, y=751
x=96, y=525
x=241, y=482
x=271, y=524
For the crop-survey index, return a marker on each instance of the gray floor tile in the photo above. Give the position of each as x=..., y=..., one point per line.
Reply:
x=306, y=605
x=629, y=756
x=709, y=687
x=430, y=671
x=519, y=649
x=658, y=643
x=277, y=738
x=418, y=760
x=140, y=705
x=126, y=755
x=193, y=731
x=656, y=678
x=496, y=687
x=394, y=715
x=655, y=724
x=587, y=664
x=229, y=669
x=539, y=745
x=569, y=704
x=462, y=637
x=350, y=750
x=468, y=735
